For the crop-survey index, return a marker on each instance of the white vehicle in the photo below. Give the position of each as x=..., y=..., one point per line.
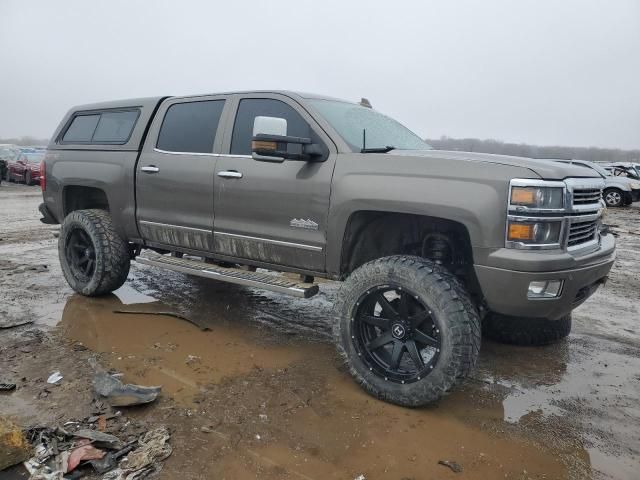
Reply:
x=619, y=191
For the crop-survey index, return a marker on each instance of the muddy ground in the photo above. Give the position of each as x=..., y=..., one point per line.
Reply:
x=261, y=394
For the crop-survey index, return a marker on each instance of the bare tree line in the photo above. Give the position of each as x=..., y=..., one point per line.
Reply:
x=26, y=141
x=593, y=154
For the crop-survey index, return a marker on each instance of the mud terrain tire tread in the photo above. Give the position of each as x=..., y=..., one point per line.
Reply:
x=445, y=294
x=112, y=252
x=525, y=331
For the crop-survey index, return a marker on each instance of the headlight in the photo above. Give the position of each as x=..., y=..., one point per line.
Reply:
x=635, y=185
x=537, y=197
x=538, y=233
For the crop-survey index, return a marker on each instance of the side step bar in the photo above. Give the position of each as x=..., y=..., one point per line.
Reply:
x=232, y=275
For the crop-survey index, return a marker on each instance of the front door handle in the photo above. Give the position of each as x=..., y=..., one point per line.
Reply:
x=230, y=174
x=150, y=169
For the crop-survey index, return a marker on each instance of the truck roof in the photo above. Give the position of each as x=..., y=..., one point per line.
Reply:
x=153, y=101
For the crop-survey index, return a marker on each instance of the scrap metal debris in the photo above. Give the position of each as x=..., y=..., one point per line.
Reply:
x=454, y=466
x=118, y=394
x=57, y=451
x=170, y=314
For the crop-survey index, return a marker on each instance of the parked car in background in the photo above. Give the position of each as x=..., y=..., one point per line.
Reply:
x=25, y=168
x=8, y=153
x=619, y=191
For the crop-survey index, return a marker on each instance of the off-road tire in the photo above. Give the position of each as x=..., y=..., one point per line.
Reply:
x=525, y=331
x=112, y=256
x=445, y=295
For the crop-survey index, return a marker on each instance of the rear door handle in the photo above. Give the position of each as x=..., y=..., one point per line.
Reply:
x=150, y=169
x=230, y=174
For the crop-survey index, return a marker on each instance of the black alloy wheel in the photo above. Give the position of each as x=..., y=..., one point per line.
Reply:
x=80, y=254
x=396, y=334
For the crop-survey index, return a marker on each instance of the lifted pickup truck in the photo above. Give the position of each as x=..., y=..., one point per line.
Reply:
x=425, y=242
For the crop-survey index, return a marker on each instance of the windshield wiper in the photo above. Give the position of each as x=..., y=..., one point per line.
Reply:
x=386, y=149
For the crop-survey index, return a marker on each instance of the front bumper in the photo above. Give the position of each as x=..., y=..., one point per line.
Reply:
x=505, y=289
x=635, y=195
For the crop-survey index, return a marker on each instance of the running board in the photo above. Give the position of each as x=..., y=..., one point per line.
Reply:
x=238, y=276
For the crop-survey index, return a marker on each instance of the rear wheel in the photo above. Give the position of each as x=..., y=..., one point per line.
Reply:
x=407, y=330
x=94, y=258
x=525, y=331
x=613, y=197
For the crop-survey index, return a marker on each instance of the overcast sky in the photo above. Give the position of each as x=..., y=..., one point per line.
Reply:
x=541, y=71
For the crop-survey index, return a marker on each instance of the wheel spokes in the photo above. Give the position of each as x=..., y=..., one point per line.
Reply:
x=89, y=266
x=414, y=353
x=380, y=322
x=387, y=309
x=380, y=341
x=419, y=318
x=425, y=339
x=396, y=354
x=403, y=309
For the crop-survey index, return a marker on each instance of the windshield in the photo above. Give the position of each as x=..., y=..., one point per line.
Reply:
x=350, y=120
x=599, y=169
x=34, y=157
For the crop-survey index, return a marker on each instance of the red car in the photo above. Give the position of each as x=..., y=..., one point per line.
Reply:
x=25, y=168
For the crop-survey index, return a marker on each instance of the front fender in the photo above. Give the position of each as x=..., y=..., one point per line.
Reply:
x=475, y=197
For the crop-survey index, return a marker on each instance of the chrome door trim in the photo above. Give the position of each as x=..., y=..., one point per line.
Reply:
x=158, y=224
x=202, y=154
x=269, y=240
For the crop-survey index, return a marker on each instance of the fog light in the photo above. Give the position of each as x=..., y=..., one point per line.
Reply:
x=545, y=289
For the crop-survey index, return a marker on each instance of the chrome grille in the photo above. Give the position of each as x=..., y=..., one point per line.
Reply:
x=586, y=196
x=582, y=231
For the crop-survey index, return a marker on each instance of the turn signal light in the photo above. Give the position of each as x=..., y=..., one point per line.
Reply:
x=523, y=196
x=263, y=145
x=520, y=231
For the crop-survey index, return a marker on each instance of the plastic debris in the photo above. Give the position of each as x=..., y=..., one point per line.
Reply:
x=55, y=377
x=118, y=394
x=82, y=453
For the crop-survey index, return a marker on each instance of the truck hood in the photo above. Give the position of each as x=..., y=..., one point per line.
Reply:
x=545, y=169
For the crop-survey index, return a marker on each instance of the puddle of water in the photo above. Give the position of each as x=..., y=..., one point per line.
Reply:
x=163, y=350
x=593, y=382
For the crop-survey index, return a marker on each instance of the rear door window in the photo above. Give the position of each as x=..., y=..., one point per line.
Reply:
x=250, y=108
x=190, y=126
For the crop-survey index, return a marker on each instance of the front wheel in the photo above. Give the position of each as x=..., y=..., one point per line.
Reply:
x=27, y=178
x=95, y=260
x=613, y=197
x=406, y=329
